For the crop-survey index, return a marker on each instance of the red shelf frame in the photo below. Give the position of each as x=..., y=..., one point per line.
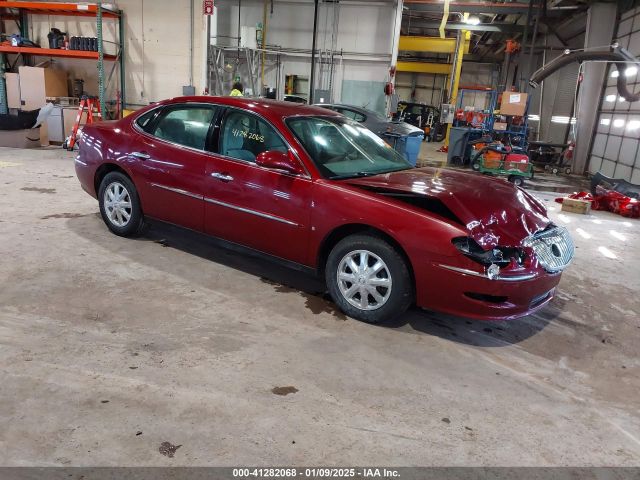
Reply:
x=20, y=9
x=54, y=52
x=59, y=8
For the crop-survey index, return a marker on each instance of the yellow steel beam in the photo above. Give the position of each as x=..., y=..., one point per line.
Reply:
x=445, y=16
x=424, y=67
x=432, y=44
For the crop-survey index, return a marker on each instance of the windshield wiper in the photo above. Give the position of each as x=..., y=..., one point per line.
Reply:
x=366, y=174
x=353, y=175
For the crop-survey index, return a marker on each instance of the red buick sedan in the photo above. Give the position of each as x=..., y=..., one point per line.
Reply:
x=311, y=187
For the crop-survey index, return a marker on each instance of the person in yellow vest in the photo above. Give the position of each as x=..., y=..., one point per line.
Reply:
x=236, y=89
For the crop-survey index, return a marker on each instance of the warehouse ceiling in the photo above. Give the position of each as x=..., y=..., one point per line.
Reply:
x=493, y=23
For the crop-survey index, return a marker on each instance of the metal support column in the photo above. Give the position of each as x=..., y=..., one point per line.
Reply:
x=396, y=33
x=24, y=24
x=395, y=47
x=123, y=83
x=4, y=104
x=101, y=92
x=601, y=22
x=312, y=79
x=24, y=33
x=4, y=107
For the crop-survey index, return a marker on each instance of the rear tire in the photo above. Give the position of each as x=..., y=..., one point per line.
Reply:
x=439, y=133
x=475, y=166
x=120, y=205
x=516, y=180
x=367, y=267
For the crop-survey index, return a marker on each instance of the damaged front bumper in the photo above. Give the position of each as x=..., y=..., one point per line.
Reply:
x=473, y=294
x=489, y=292
x=489, y=276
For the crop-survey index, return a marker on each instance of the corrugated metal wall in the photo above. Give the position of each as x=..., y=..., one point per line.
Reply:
x=614, y=150
x=558, y=100
x=428, y=87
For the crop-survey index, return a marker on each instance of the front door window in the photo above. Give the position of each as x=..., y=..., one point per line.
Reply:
x=243, y=136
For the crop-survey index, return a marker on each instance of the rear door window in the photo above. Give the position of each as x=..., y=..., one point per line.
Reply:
x=186, y=125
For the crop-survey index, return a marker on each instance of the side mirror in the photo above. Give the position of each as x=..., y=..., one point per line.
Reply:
x=279, y=161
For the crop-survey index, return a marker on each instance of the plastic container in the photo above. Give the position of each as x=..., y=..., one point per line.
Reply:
x=406, y=145
x=412, y=148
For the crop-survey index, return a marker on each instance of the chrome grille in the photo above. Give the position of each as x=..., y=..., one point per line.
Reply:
x=553, y=248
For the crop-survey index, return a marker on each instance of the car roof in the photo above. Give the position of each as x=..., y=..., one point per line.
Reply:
x=263, y=106
x=344, y=105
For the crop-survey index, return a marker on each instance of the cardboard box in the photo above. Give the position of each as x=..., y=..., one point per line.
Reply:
x=13, y=90
x=29, y=138
x=500, y=125
x=513, y=103
x=36, y=84
x=576, y=206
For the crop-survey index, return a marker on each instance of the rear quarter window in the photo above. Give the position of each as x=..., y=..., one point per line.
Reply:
x=144, y=121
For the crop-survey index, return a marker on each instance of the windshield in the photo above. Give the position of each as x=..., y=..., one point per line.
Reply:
x=414, y=109
x=341, y=148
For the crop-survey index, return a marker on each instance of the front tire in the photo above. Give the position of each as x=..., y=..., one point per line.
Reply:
x=368, y=279
x=120, y=205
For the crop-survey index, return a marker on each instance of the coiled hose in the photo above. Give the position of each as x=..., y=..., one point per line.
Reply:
x=619, y=56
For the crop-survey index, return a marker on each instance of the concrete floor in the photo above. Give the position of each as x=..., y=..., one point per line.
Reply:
x=110, y=347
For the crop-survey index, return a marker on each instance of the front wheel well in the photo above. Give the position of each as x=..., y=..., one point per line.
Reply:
x=103, y=170
x=344, y=231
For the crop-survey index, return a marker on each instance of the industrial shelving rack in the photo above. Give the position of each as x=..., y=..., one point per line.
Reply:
x=20, y=11
x=487, y=123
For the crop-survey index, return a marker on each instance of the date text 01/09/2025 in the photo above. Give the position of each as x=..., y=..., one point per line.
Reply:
x=292, y=472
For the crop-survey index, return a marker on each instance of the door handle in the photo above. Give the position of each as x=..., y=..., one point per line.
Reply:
x=140, y=155
x=223, y=177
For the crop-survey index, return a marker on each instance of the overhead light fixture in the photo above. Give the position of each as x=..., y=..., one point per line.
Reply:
x=619, y=122
x=605, y=121
x=633, y=125
x=615, y=73
x=472, y=20
x=631, y=71
x=611, y=98
x=563, y=119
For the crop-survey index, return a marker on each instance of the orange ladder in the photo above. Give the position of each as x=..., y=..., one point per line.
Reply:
x=89, y=104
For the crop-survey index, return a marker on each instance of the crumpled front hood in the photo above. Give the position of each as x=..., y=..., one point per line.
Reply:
x=494, y=211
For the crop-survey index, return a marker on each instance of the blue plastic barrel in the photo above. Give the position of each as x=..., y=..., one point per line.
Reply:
x=412, y=148
x=406, y=145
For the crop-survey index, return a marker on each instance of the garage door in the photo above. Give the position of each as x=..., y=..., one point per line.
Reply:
x=614, y=150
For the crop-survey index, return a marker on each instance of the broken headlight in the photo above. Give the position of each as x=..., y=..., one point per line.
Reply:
x=500, y=256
